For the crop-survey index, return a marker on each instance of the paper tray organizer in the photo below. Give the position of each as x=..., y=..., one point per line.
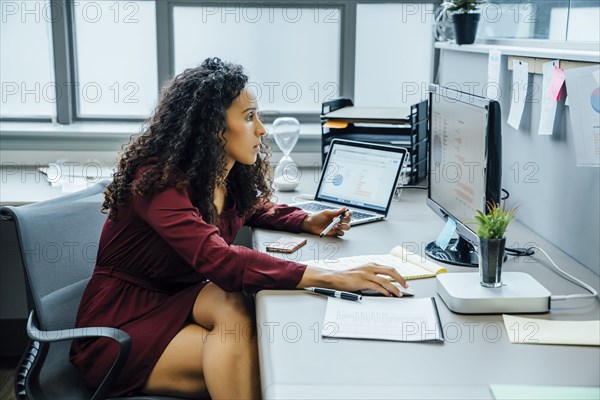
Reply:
x=395, y=126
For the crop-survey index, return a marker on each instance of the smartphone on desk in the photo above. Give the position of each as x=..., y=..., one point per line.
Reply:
x=286, y=244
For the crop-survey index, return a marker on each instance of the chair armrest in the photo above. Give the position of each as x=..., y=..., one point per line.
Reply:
x=121, y=337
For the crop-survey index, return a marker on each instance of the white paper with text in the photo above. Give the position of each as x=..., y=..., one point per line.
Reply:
x=382, y=318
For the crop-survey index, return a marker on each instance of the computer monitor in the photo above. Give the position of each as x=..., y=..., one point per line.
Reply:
x=465, y=166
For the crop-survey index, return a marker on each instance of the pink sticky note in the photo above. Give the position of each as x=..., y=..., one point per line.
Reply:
x=558, y=78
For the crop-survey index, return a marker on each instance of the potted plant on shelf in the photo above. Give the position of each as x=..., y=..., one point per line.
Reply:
x=490, y=231
x=465, y=20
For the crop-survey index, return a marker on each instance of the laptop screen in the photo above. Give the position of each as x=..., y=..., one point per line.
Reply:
x=361, y=175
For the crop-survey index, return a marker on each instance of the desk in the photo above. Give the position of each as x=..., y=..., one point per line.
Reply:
x=296, y=362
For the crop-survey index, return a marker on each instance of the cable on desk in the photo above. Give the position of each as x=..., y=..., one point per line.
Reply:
x=572, y=279
x=519, y=251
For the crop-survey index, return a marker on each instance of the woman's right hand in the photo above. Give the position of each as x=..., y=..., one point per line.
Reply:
x=368, y=276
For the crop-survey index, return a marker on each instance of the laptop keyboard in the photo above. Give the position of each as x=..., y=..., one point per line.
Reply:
x=316, y=207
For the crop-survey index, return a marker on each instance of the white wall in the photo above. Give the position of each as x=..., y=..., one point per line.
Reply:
x=556, y=199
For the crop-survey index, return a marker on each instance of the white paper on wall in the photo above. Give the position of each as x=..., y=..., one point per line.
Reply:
x=584, y=93
x=519, y=92
x=493, y=80
x=548, y=111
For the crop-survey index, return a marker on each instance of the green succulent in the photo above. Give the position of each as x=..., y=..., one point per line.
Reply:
x=493, y=224
x=465, y=5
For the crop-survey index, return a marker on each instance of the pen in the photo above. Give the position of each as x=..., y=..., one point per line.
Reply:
x=335, y=221
x=338, y=294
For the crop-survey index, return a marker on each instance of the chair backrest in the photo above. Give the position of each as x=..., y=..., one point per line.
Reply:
x=59, y=241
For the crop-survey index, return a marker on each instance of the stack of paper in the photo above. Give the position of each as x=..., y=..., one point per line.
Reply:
x=392, y=115
x=405, y=320
x=72, y=176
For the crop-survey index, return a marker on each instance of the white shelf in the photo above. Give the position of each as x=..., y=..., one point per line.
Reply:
x=574, y=54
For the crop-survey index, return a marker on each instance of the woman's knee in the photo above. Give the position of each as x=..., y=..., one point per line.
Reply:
x=216, y=306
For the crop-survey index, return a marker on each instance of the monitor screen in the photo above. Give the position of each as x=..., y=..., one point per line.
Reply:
x=464, y=165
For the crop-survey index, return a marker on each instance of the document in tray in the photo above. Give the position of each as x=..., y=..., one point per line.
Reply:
x=374, y=114
x=408, y=264
x=383, y=318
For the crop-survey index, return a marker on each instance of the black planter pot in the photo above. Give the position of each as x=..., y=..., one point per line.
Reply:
x=465, y=27
x=491, y=256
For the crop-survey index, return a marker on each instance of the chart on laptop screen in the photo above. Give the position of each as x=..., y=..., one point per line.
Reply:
x=359, y=176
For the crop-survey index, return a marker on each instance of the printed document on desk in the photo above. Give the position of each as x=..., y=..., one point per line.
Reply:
x=383, y=318
x=408, y=264
x=543, y=331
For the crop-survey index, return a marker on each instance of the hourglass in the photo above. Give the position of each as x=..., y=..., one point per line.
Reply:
x=286, y=132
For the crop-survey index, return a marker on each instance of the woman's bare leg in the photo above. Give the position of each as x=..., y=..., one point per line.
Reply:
x=178, y=371
x=215, y=355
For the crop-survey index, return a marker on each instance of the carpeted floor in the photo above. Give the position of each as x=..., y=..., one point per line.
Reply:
x=6, y=384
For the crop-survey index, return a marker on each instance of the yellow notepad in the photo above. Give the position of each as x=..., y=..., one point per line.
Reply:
x=408, y=264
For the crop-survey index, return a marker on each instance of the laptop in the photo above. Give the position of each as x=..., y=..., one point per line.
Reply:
x=361, y=176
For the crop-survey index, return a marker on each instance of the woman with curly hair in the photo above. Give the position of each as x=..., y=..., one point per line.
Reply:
x=167, y=272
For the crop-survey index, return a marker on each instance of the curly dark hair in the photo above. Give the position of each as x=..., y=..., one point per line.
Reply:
x=182, y=144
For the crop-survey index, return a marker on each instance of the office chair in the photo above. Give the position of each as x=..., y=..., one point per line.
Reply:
x=58, y=240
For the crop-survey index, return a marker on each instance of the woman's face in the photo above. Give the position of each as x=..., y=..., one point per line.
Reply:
x=244, y=130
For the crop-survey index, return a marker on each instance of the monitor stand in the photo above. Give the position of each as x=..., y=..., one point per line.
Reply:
x=459, y=252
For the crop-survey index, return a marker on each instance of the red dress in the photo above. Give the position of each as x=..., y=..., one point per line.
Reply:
x=152, y=263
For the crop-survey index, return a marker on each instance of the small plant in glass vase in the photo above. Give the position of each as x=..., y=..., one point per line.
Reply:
x=491, y=227
x=465, y=19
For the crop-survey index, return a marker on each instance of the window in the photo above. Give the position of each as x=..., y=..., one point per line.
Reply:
x=115, y=55
x=517, y=20
x=26, y=62
x=393, y=62
x=291, y=53
x=70, y=60
x=583, y=18
x=557, y=20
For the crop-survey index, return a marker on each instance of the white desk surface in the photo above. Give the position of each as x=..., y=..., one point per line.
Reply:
x=296, y=362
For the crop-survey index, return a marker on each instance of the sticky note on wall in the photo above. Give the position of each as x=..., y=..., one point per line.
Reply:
x=556, y=82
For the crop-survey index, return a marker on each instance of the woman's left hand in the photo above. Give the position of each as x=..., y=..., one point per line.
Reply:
x=316, y=223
